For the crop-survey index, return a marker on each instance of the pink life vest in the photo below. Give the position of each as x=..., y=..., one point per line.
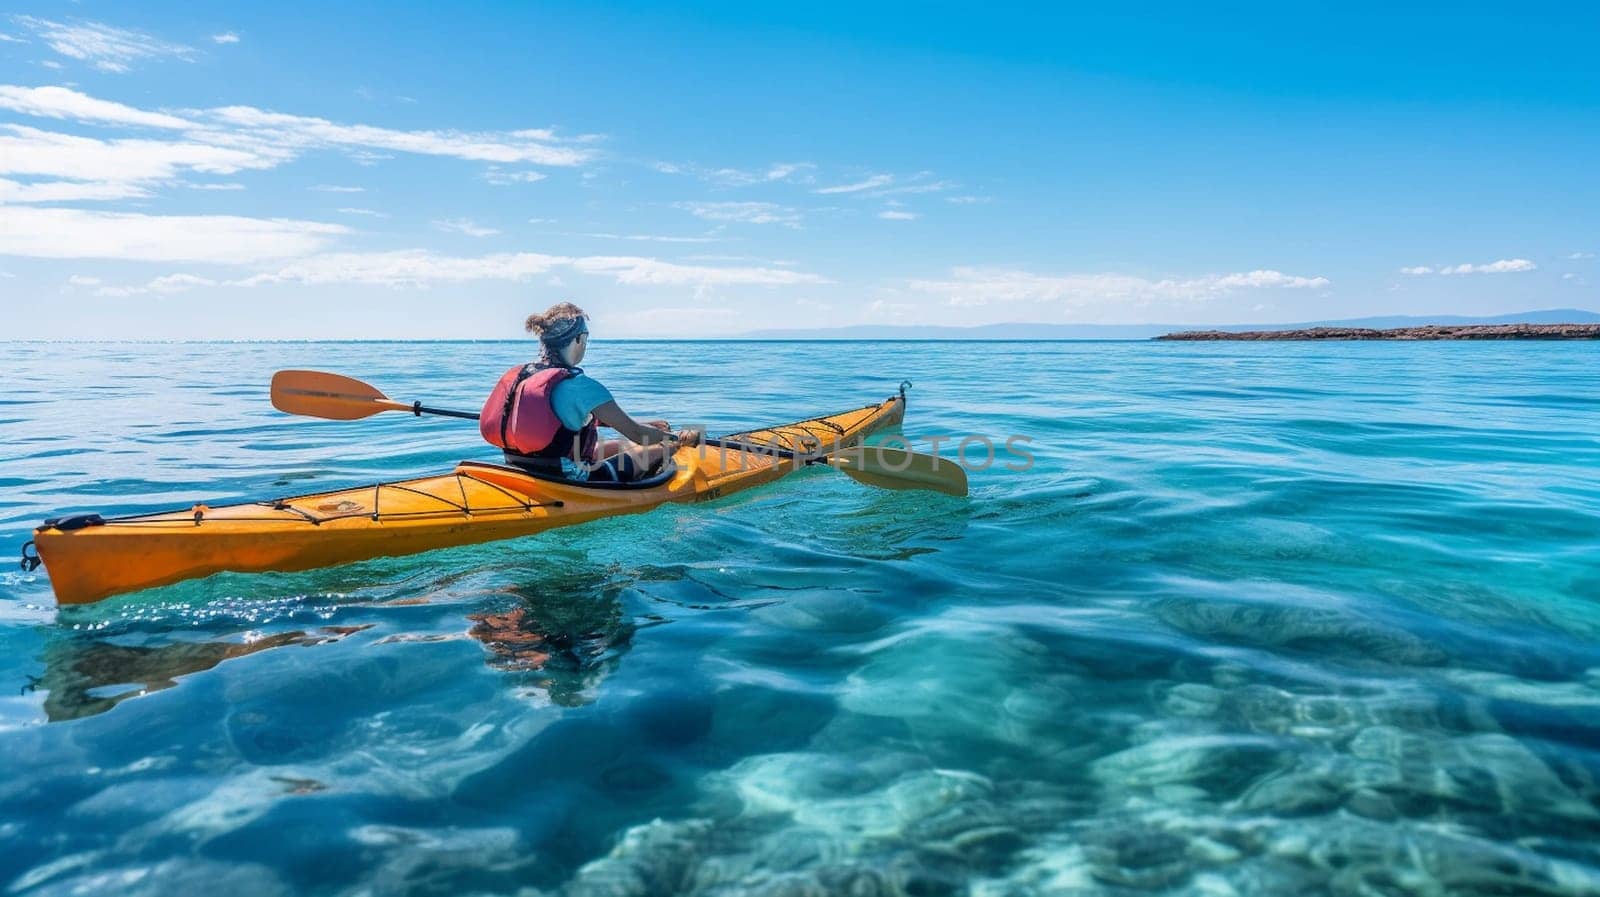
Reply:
x=519, y=419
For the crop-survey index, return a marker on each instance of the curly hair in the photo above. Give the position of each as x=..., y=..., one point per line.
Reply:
x=554, y=318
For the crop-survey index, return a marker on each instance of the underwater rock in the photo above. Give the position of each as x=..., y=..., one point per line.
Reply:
x=782, y=783
x=1056, y=866
x=1193, y=699
x=945, y=688
x=445, y=860
x=1144, y=858
x=654, y=858
x=1372, y=804
x=921, y=794
x=791, y=885
x=794, y=847
x=1488, y=771
x=1320, y=630
x=822, y=612
x=1217, y=763
x=888, y=812
x=1361, y=857
x=855, y=880
x=1293, y=793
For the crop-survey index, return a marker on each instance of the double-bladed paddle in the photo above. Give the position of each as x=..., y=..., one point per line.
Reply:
x=335, y=397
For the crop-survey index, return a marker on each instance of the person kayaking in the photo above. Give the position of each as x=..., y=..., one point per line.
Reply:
x=546, y=415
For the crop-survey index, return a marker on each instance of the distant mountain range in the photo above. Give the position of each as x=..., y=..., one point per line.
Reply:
x=1146, y=331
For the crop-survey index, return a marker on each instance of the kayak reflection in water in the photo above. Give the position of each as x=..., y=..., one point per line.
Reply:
x=572, y=640
x=84, y=677
x=546, y=415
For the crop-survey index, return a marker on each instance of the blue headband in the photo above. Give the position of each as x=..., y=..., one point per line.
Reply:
x=563, y=331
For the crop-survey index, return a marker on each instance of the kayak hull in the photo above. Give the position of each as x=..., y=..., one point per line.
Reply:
x=477, y=502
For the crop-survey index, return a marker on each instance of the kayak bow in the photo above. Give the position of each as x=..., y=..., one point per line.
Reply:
x=89, y=557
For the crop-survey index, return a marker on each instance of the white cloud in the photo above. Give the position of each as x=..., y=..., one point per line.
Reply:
x=983, y=286
x=231, y=139
x=783, y=171
x=409, y=267
x=67, y=191
x=896, y=215
x=744, y=212
x=871, y=183
x=966, y=200
x=106, y=48
x=336, y=188
x=883, y=308
x=307, y=132
x=1259, y=279
x=230, y=186
x=167, y=284
x=227, y=239
x=1503, y=266
x=226, y=37
x=503, y=178
x=106, y=169
x=1579, y=256
x=65, y=103
x=738, y=177
x=780, y=171
x=422, y=268
x=924, y=187
x=29, y=151
x=370, y=213
x=646, y=238
x=79, y=280
x=465, y=226
x=635, y=270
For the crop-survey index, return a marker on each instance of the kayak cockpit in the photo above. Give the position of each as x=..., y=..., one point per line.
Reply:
x=480, y=468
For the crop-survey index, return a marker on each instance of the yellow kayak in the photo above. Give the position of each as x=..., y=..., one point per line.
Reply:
x=89, y=557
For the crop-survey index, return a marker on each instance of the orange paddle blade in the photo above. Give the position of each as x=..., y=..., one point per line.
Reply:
x=330, y=396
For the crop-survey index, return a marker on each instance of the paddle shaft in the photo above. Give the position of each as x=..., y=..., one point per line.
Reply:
x=419, y=410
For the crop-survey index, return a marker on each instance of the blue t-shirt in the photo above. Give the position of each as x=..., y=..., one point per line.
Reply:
x=575, y=398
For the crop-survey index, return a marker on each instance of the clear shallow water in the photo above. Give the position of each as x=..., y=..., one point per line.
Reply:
x=1263, y=619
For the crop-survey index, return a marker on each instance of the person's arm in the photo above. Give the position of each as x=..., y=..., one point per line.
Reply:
x=610, y=414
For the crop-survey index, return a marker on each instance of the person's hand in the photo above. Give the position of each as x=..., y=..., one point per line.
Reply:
x=689, y=438
x=658, y=424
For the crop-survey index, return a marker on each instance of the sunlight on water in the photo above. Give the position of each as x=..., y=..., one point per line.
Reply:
x=1262, y=619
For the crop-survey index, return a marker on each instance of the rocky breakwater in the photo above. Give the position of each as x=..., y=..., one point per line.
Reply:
x=1429, y=332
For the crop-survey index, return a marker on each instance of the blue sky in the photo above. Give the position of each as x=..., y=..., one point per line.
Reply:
x=296, y=171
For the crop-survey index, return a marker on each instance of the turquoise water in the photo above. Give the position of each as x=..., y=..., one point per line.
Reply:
x=1262, y=619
